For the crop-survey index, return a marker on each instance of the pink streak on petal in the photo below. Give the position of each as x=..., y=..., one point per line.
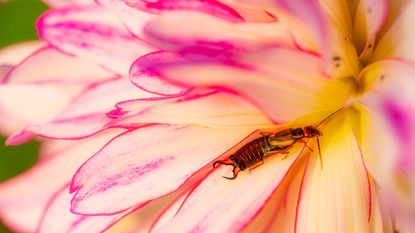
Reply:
x=71, y=128
x=208, y=35
x=155, y=160
x=211, y=7
x=58, y=218
x=137, y=106
x=146, y=78
x=401, y=119
x=92, y=33
x=237, y=202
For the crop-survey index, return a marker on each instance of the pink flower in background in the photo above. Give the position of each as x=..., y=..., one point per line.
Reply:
x=192, y=81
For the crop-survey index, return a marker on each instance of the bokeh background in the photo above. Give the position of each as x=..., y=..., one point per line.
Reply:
x=17, y=19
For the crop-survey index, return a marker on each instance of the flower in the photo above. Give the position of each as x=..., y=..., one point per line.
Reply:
x=207, y=77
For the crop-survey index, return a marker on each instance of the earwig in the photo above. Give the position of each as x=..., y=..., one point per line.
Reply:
x=254, y=152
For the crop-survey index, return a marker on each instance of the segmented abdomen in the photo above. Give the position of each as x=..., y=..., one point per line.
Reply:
x=253, y=152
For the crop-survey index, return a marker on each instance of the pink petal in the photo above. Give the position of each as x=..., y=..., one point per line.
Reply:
x=66, y=69
x=391, y=103
x=62, y=3
x=397, y=41
x=102, y=96
x=339, y=191
x=237, y=202
x=278, y=87
x=305, y=14
x=23, y=104
x=86, y=115
x=4, y=69
x=212, y=36
x=310, y=12
x=211, y=7
x=146, y=78
x=58, y=218
x=15, y=53
x=168, y=213
x=250, y=12
x=23, y=198
x=137, y=105
x=133, y=19
x=72, y=128
x=217, y=110
x=92, y=33
x=369, y=18
x=278, y=215
x=136, y=161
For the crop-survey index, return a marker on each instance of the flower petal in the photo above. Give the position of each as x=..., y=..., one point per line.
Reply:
x=92, y=33
x=390, y=106
x=69, y=222
x=133, y=19
x=217, y=110
x=61, y=3
x=66, y=69
x=136, y=161
x=211, y=7
x=146, y=78
x=208, y=34
x=86, y=115
x=278, y=215
x=369, y=18
x=102, y=96
x=23, y=198
x=23, y=104
x=237, y=201
x=310, y=12
x=339, y=189
x=278, y=87
x=15, y=53
x=398, y=40
x=393, y=111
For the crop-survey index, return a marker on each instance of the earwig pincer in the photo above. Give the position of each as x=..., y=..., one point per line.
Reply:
x=254, y=152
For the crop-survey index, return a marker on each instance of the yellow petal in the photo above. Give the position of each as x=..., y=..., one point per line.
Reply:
x=335, y=197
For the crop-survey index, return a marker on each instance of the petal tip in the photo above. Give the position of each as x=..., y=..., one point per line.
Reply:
x=19, y=137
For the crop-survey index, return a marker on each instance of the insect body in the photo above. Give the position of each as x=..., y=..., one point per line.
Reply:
x=254, y=153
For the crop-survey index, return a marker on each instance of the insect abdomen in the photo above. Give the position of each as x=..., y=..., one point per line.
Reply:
x=252, y=153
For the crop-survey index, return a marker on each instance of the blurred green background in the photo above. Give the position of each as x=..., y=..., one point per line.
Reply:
x=17, y=19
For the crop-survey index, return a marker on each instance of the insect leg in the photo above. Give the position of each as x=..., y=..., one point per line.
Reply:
x=305, y=144
x=319, y=152
x=235, y=172
x=263, y=133
x=258, y=164
x=225, y=161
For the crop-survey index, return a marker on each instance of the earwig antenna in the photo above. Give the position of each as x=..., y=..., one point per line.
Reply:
x=319, y=153
x=325, y=119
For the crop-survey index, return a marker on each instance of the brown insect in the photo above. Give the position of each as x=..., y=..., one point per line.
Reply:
x=253, y=153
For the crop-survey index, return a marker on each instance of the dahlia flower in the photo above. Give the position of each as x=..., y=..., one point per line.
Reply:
x=136, y=99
